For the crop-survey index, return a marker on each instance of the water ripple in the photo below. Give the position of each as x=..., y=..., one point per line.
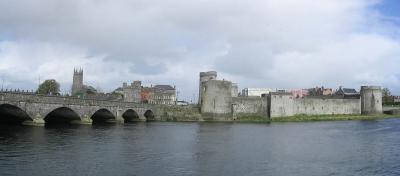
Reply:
x=321, y=148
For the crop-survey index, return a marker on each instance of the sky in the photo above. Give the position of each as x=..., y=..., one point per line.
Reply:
x=255, y=43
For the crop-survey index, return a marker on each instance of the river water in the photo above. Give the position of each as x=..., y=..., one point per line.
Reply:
x=163, y=148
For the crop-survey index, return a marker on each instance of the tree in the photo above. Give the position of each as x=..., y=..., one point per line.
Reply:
x=386, y=92
x=49, y=87
x=387, y=99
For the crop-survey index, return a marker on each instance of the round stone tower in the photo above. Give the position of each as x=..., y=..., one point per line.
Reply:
x=371, y=100
x=204, y=77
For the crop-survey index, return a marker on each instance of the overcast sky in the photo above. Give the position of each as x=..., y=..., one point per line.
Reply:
x=255, y=43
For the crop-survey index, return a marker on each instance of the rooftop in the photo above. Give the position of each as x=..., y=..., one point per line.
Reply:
x=349, y=91
x=164, y=87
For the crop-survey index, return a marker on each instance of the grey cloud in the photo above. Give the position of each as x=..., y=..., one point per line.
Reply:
x=270, y=43
x=145, y=68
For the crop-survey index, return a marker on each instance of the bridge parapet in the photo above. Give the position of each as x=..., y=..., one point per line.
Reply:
x=19, y=97
x=39, y=106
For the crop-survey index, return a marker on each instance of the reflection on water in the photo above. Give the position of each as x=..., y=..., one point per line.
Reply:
x=320, y=148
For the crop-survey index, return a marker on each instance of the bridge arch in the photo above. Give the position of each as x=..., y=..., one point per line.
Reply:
x=149, y=115
x=61, y=115
x=130, y=115
x=103, y=115
x=12, y=114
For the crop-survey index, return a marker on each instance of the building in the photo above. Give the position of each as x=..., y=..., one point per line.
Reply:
x=131, y=93
x=320, y=91
x=299, y=93
x=159, y=94
x=255, y=92
x=78, y=88
x=146, y=95
x=163, y=94
x=77, y=81
x=182, y=103
x=396, y=99
x=391, y=100
x=347, y=93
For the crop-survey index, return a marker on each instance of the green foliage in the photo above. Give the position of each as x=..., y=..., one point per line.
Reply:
x=91, y=90
x=387, y=98
x=117, y=93
x=49, y=87
x=253, y=119
x=305, y=118
x=386, y=92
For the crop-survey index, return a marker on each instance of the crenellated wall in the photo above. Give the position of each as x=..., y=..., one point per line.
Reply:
x=284, y=104
x=180, y=113
x=219, y=103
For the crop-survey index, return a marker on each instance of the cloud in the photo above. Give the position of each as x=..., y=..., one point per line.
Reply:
x=257, y=43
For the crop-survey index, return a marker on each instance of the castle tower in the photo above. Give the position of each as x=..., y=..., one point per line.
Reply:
x=132, y=92
x=371, y=100
x=216, y=98
x=77, y=81
x=204, y=77
x=235, y=89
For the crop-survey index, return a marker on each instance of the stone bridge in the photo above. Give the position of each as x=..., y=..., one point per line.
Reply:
x=32, y=108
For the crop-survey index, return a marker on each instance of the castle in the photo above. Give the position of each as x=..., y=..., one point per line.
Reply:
x=135, y=92
x=158, y=94
x=218, y=99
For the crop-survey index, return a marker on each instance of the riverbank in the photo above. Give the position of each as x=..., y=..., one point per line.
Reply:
x=304, y=118
x=310, y=118
x=298, y=118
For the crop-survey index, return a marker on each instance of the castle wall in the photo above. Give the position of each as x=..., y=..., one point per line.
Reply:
x=249, y=106
x=280, y=105
x=179, y=113
x=216, y=98
x=283, y=105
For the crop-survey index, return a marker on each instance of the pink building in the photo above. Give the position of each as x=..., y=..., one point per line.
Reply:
x=299, y=93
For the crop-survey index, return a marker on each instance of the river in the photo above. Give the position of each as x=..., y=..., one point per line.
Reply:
x=164, y=148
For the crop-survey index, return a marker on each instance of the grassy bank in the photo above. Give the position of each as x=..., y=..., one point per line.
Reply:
x=253, y=119
x=305, y=118
x=297, y=118
x=310, y=118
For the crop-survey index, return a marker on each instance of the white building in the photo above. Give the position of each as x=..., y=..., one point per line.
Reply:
x=396, y=99
x=255, y=92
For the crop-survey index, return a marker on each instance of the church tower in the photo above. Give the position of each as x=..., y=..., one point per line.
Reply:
x=77, y=81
